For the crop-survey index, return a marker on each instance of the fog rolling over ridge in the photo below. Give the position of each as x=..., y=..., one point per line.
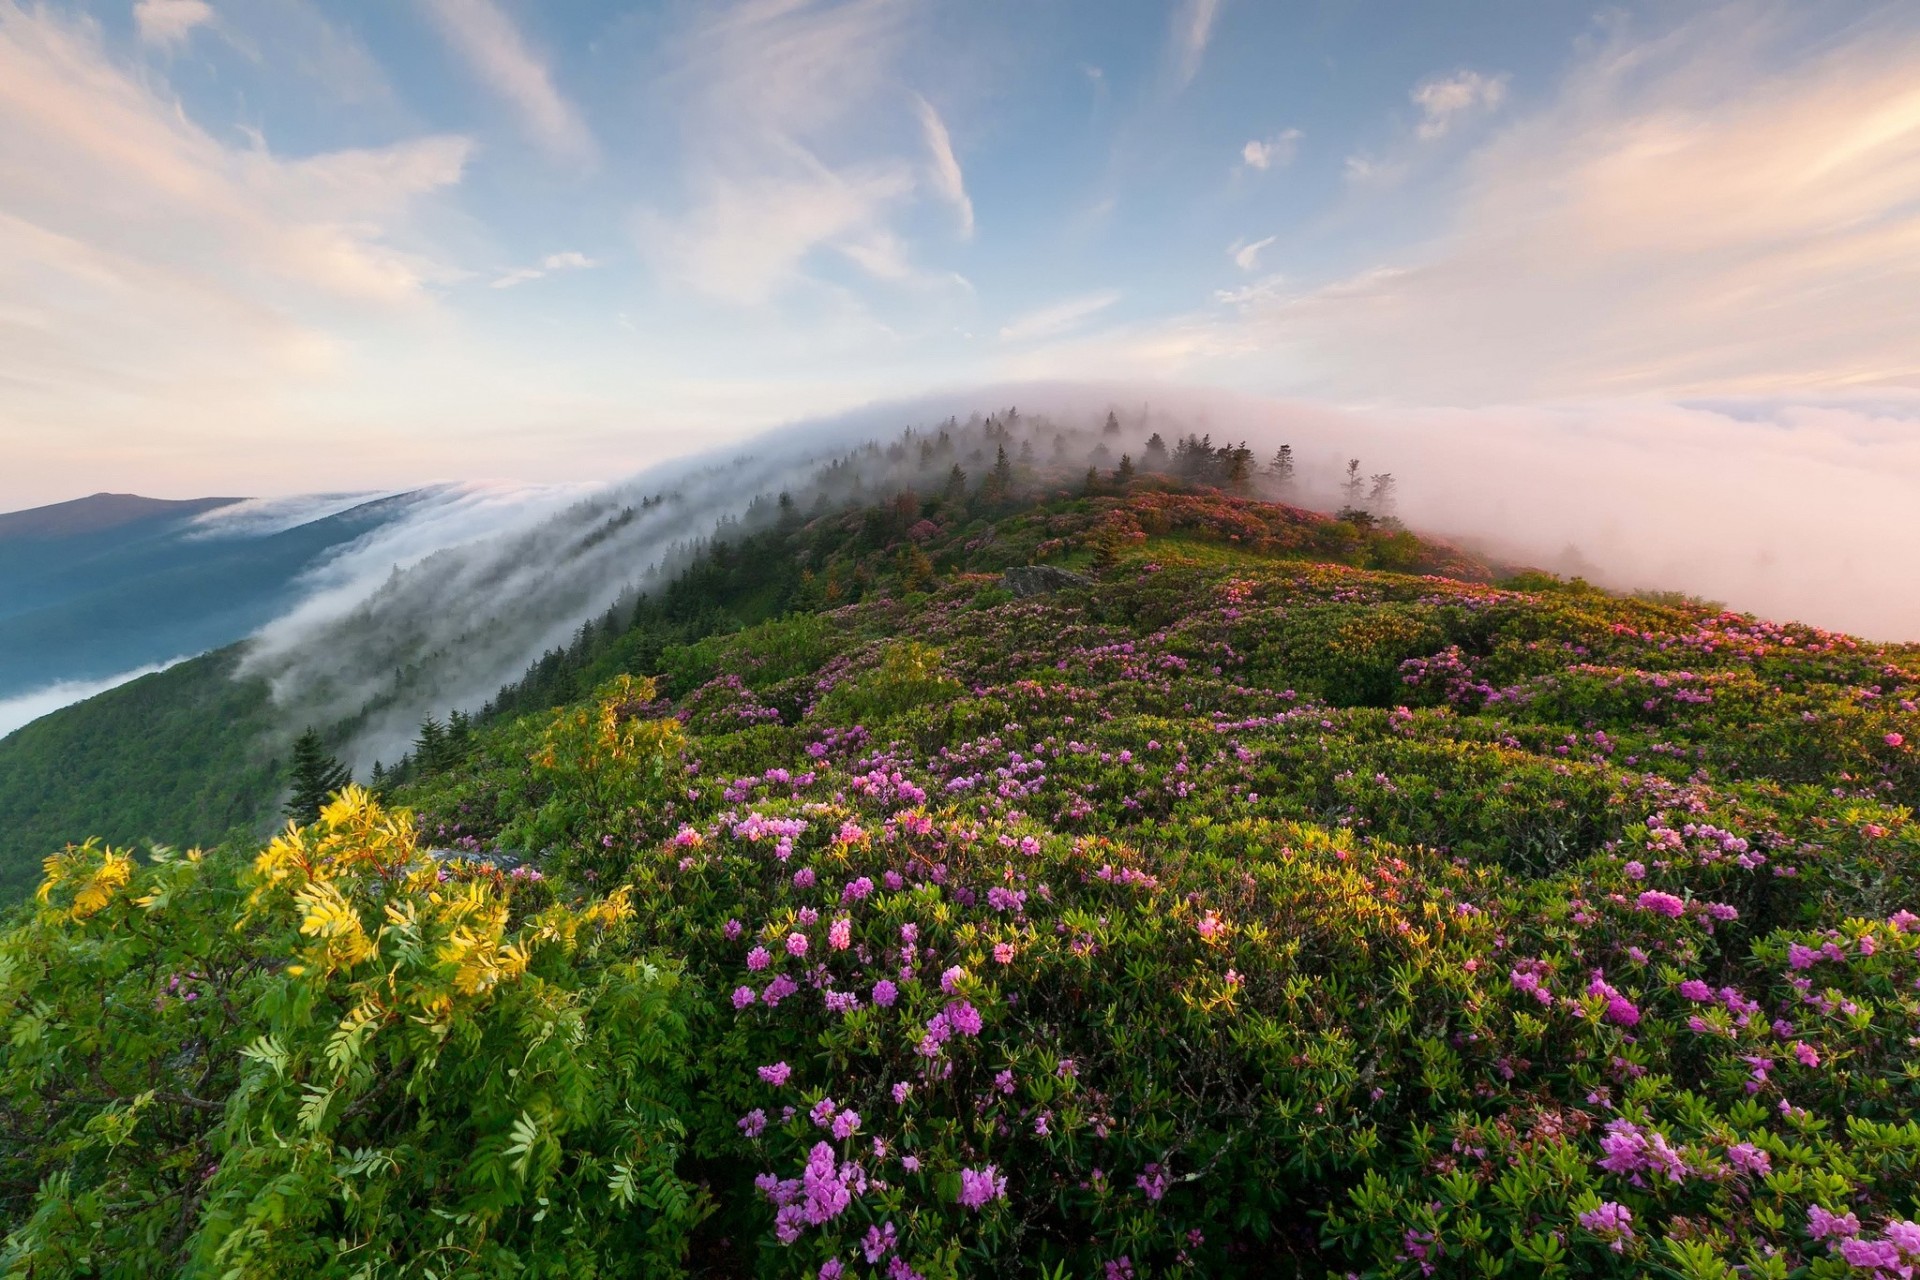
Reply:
x=431, y=618
x=1807, y=519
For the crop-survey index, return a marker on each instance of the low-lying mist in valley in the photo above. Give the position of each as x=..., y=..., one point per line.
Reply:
x=1803, y=515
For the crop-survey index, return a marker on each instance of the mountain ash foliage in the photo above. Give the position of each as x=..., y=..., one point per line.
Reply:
x=1284, y=902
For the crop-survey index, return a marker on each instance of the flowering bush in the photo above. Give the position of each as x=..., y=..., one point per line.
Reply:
x=1243, y=915
x=343, y=1052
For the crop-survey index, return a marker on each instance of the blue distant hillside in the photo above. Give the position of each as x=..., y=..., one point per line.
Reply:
x=108, y=583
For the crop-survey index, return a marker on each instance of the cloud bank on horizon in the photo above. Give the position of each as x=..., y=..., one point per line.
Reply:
x=287, y=247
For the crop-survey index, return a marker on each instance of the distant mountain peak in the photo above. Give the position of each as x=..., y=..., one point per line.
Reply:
x=99, y=512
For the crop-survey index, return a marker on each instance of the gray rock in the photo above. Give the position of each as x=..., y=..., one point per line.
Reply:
x=1041, y=579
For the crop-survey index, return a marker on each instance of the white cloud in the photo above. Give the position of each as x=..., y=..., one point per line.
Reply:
x=150, y=272
x=1444, y=99
x=170, y=22
x=1058, y=318
x=1247, y=256
x=568, y=261
x=1269, y=152
x=1724, y=208
x=482, y=33
x=1707, y=213
x=1192, y=31
x=775, y=99
x=947, y=178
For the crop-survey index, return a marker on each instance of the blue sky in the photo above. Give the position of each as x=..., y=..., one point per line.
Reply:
x=271, y=245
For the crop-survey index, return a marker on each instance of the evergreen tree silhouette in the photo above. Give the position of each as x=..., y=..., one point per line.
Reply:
x=316, y=775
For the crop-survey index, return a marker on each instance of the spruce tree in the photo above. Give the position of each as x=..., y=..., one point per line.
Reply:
x=1155, y=457
x=1355, y=485
x=1281, y=468
x=1113, y=423
x=316, y=775
x=1124, y=472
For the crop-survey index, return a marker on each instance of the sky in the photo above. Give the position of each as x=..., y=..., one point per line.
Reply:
x=265, y=247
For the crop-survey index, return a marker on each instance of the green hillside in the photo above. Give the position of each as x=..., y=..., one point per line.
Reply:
x=177, y=757
x=1265, y=894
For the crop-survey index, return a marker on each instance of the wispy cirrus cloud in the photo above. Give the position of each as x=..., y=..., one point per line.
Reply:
x=776, y=100
x=500, y=57
x=947, y=178
x=1193, y=22
x=571, y=260
x=1246, y=254
x=1711, y=209
x=1057, y=318
x=145, y=261
x=170, y=22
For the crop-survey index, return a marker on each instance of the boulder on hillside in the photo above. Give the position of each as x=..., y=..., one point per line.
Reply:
x=1042, y=579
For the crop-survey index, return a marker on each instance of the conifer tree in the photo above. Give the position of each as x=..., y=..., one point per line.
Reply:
x=1091, y=484
x=430, y=748
x=1124, y=472
x=956, y=484
x=1281, y=468
x=1113, y=424
x=316, y=775
x=1380, y=497
x=1239, y=465
x=1155, y=457
x=1355, y=486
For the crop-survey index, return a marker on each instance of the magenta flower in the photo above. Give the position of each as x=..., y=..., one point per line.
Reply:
x=759, y=958
x=1154, y=1182
x=1824, y=1225
x=742, y=997
x=796, y=944
x=964, y=1018
x=1748, y=1158
x=1662, y=903
x=1694, y=989
x=776, y=1074
x=840, y=934
x=846, y=1124
x=1611, y=1222
x=754, y=1123
x=878, y=1243
x=885, y=993
x=979, y=1186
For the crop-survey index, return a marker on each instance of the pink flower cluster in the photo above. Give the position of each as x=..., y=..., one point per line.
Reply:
x=1612, y=1222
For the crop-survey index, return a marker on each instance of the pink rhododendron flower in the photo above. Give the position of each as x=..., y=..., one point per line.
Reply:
x=980, y=1186
x=1611, y=1222
x=1662, y=903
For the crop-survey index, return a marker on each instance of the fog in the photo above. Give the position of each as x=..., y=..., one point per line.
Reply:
x=27, y=707
x=1809, y=513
